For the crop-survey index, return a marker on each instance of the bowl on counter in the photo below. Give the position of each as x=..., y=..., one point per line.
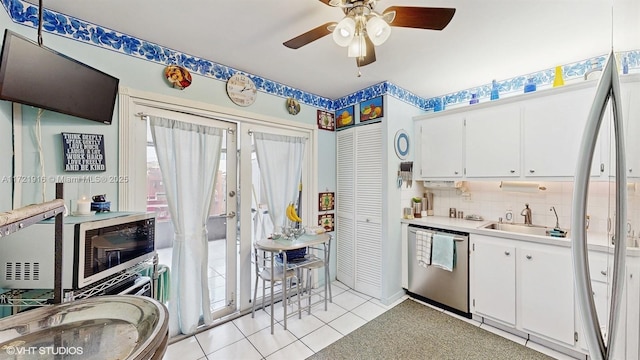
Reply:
x=123, y=326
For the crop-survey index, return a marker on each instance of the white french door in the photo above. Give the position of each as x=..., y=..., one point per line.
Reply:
x=222, y=226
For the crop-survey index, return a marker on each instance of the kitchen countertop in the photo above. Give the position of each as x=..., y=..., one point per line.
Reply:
x=596, y=241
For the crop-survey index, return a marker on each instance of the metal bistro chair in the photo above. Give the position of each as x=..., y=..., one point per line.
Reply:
x=287, y=279
x=325, y=249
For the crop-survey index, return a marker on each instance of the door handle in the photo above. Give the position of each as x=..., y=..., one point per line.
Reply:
x=230, y=215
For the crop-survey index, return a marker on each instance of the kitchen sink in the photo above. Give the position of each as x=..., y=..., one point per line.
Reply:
x=526, y=229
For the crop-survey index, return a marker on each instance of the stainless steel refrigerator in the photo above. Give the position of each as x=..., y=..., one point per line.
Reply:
x=606, y=338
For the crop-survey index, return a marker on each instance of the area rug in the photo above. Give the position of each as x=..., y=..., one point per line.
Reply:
x=411, y=330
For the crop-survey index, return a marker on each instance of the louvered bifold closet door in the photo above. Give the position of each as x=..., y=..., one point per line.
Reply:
x=368, y=209
x=345, y=207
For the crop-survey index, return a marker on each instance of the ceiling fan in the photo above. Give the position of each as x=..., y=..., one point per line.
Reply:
x=362, y=28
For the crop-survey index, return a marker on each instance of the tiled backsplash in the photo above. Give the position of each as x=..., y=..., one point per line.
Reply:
x=488, y=200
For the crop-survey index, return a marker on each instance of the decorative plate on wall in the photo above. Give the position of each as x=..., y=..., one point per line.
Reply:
x=401, y=144
x=178, y=76
x=293, y=106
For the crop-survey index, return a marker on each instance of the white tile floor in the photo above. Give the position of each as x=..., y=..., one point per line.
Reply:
x=249, y=338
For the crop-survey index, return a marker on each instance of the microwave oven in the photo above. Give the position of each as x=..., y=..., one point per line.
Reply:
x=93, y=249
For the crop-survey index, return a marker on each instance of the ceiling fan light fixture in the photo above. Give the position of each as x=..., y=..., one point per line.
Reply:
x=378, y=30
x=357, y=47
x=344, y=32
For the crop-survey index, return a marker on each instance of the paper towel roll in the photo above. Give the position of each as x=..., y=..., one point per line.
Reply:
x=526, y=187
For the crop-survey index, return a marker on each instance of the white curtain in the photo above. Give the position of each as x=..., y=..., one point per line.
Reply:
x=188, y=155
x=280, y=160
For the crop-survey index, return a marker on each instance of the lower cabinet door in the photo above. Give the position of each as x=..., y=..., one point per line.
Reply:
x=494, y=279
x=546, y=293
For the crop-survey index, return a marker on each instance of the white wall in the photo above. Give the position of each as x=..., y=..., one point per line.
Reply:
x=136, y=74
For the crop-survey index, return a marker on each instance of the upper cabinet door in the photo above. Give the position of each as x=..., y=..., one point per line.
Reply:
x=553, y=127
x=442, y=143
x=631, y=118
x=493, y=142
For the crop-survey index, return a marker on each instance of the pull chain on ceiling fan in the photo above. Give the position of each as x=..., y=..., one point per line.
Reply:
x=363, y=28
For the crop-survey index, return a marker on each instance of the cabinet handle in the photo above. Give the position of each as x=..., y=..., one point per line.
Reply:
x=532, y=171
x=455, y=172
x=512, y=171
x=603, y=272
x=630, y=170
x=529, y=257
x=507, y=253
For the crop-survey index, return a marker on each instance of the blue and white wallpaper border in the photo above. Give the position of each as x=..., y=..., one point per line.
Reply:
x=26, y=14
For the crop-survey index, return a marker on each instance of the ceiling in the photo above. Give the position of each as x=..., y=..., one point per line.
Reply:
x=488, y=39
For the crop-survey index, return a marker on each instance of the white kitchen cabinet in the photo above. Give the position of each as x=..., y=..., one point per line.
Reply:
x=492, y=147
x=631, y=118
x=442, y=144
x=359, y=208
x=552, y=132
x=494, y=279
x=545, y=286
x=525, y=286
x=632, y=308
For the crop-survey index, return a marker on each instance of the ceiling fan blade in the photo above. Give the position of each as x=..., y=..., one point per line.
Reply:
x=309, y=36
x=370, y=56
x=421, y=17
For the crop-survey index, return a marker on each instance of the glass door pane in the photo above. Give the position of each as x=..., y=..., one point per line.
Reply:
x=222, y=230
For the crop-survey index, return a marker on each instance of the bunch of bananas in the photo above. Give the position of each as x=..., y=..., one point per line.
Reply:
x=292, y=215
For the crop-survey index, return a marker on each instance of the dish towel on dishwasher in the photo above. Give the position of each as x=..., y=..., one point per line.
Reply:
x=443, y=251
x=423, y=248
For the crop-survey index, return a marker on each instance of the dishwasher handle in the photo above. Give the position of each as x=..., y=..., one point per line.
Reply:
x=455, y=238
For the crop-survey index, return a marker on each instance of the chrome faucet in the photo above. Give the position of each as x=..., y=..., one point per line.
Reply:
x=526, y=212
x=553, y=208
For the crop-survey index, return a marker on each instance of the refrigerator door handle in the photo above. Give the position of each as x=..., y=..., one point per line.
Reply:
x=608, y=89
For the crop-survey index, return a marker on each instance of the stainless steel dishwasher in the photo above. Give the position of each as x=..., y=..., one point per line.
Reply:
x=446, y=289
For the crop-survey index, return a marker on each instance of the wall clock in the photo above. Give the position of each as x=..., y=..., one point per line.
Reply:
x=401, y=144
x=241, y=90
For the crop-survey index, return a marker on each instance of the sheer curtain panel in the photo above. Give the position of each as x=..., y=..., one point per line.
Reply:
x=280, y=161
x=188, y=156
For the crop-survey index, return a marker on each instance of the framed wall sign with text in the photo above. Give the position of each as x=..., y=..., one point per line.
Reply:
x=83, y=152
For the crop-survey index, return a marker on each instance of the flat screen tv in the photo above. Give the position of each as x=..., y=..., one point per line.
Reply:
x=35, y=75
